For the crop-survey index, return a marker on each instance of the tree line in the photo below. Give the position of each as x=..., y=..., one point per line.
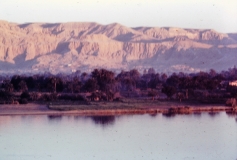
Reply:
x=107, y=83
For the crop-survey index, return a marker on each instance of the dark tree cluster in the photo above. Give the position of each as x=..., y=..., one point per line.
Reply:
x=104, y=83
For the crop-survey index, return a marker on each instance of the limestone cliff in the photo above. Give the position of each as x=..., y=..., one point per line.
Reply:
x=66, y=47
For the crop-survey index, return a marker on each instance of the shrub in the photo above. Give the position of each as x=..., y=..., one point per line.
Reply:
x=49, y=97
x=25, y=95
x=34, y=96
x=23, y=101
x=6, y=97
x=152, y=94
x=169, y=91
x=71, y=97
x=231, y=102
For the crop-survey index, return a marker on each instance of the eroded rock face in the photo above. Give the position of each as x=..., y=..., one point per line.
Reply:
x=51, y=47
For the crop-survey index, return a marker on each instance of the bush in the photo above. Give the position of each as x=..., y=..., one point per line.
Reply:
x=152, y=94
x=25, y=95
x=49, y=97
x=231, y=102
x=5, y=94
x=44, y=97
x=34, y=96
x=232, y=90
x=23, y=101
x=71, y=97
x=169, y=91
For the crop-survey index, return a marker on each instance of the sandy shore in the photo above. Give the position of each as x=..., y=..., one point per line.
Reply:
x=39, y=109
x=31, y=109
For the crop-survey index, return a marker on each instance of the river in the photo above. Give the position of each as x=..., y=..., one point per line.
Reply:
x=210, y=136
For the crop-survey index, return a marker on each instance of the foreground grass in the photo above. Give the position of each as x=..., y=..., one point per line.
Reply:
x=96, y=106
x=125, y=104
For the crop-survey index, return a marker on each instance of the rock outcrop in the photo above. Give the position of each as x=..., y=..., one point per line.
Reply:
x=66, y=47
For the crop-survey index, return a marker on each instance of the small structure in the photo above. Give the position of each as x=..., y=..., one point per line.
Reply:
x=233, y=83
x=117, y=96
x=95, y=96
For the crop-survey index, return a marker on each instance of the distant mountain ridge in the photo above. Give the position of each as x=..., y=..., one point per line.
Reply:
x=67, y=47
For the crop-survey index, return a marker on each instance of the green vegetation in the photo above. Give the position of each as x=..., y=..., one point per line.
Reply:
x=128, y=89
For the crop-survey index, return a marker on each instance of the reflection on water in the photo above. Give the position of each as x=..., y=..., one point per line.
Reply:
x=203, y=136
x=110, y=120
x=54, y=117
x=103, y=120
x=213, y=114
x=173, y=114
x=231, y=114
x=153, y=114
x=197, y=114
x=98, y=120
x=169, y=115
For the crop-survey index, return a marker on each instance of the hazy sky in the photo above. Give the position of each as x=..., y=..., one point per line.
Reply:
x=220, y=15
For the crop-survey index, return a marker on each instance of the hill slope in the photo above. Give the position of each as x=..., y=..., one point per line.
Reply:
x=66, y=47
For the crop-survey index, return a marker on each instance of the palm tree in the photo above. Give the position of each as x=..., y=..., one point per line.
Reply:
x=54, y=80
x=22, y=86
x=52, y=83
x=8, y=86
x=169, y=91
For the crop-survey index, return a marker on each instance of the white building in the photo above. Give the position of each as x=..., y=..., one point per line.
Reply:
x=233, y=83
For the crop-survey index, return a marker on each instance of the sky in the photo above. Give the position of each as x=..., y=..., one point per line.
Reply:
x=220, y=15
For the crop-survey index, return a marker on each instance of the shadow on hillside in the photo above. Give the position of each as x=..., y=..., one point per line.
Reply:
x=49, y=25
x=24, y=25
x=20, y=63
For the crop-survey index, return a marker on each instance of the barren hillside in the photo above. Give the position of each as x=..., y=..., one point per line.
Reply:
x=67, y=47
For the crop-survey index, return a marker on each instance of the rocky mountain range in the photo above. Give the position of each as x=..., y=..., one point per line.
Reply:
x=67, y=47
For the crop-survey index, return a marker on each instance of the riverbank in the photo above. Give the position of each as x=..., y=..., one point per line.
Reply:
x=112, y=108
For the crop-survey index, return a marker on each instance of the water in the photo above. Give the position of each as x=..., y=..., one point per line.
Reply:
x=130, y=137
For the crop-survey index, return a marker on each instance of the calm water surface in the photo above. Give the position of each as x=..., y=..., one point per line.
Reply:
x=196, y=136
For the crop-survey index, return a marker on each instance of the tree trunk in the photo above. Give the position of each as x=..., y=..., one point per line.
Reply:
x=55, y=87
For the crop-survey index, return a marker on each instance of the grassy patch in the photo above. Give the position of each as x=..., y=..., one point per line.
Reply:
x=94, y=106
x=125, y=104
